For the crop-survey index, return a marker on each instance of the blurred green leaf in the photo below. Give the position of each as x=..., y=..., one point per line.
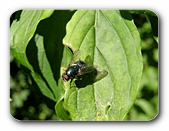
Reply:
x=136, y=11
x=149, y=12
x=154, y=24
x=147, y=39
x=150, y=78
x=20, y=91
x=155, y=51
x=153, y=20
x=19, y=98
x=11, y=57
x=147, y=108
x=113, y=42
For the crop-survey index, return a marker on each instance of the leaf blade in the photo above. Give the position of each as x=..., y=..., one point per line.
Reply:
x=22, y=31
x=113, y=41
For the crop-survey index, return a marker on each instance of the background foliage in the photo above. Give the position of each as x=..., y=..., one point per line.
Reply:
x=27, y=102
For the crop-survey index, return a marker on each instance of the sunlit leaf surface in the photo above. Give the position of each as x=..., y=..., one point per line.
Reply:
x=113, y=42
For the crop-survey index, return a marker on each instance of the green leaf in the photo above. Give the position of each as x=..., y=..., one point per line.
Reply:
x=154, y=24
x=113, y=42
x=44, y=67
x=60, y=111
x=153, y=19
x=39, y=47
x=43, y=86
x=136, y=11
x=21, y=32
x=44, y=52
x=148, y=12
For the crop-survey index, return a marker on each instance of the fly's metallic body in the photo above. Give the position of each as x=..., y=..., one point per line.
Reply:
x=77, y=68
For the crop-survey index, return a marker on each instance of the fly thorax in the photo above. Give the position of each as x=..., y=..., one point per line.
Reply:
x=72, y=71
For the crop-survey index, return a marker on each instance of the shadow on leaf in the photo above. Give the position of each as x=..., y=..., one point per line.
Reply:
x=89, y=79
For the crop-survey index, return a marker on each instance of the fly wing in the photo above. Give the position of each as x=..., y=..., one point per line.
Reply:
x=88, y=60
x=100, y=75
x=75, y=57
x=87, y=69
x=97, y=75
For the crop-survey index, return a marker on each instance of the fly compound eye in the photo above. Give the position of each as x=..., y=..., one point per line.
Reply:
x=65, y=77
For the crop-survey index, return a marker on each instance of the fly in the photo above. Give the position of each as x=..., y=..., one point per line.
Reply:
x=78, y=68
